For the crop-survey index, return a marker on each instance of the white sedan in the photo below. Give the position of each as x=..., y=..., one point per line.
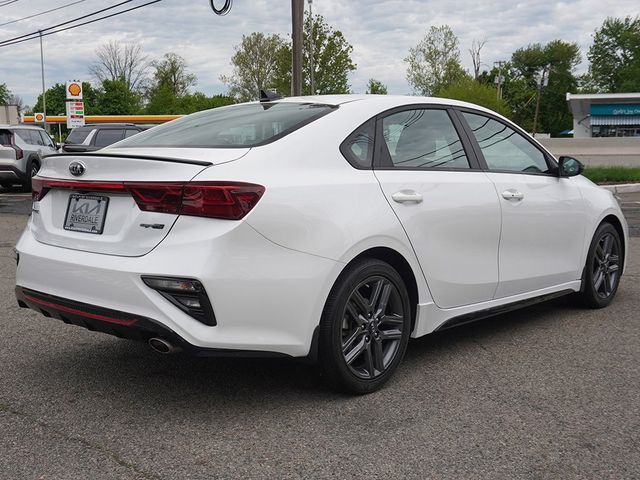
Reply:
x=330, y=227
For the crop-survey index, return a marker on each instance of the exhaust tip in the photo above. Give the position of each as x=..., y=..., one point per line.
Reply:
x=162, y=346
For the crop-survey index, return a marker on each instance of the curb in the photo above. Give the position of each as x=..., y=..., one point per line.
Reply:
x=623, y=188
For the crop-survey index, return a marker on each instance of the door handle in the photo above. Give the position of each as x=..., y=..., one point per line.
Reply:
x=512, y=194
x=406, y=196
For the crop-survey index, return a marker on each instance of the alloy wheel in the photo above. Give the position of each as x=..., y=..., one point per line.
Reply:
x=372, y=327
x=606, y=266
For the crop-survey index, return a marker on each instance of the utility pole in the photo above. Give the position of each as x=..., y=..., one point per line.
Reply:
x=499, y=80
x=311, y=82
x=542, y=80
x=297, y=16
x=44, y=100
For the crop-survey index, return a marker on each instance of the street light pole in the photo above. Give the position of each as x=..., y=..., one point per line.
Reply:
x=297, y=16
x=44, y=99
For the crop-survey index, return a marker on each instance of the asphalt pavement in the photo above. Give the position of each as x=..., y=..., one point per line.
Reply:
x=547, y=392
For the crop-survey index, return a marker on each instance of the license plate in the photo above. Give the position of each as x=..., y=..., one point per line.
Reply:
x=86, y=213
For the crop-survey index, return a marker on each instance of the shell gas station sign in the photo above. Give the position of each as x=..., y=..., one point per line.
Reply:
x=75, y=105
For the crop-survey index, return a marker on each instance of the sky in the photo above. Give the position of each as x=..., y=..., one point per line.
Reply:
x=381, y=32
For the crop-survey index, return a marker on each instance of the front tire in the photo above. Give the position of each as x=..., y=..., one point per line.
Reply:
x=603, y=267
x=365, y=327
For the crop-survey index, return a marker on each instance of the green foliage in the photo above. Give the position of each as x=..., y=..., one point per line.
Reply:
x=164, y=102
x=434, y=63
x=4, y=94
x=331, y=60
x=116, y=98
x=170, y=74
x=376, y=87
x=469, y=90
x=615, y=56
x=255, y=62
x=56, y=98
x=520, y=87
x=612, y=174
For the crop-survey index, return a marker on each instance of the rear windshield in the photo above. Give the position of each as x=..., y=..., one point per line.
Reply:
x=78, y=135
x=247, y=125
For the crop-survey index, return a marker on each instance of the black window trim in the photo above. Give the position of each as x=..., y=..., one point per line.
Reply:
x=551, y=162
x=474, y=164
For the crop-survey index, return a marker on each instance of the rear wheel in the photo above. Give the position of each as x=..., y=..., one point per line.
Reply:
x=603, y=267
x=365, y=327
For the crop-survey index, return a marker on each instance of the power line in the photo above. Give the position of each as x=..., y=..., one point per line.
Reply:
x=63, y=23
x=41, y=13
x=38, y=34
x=7, y=2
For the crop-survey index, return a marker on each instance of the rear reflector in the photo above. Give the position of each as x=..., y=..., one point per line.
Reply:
x=226, y=200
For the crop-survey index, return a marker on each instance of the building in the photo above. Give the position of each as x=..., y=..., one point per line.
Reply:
x=605, y=114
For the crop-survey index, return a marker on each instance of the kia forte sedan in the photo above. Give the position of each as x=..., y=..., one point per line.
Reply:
x=330, y=227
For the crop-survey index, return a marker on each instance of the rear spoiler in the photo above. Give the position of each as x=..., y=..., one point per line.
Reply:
x=137, y=157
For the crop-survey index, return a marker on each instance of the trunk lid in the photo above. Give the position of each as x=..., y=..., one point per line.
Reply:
x=93, y=212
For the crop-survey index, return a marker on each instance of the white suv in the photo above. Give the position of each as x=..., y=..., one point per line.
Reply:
x=21, y=151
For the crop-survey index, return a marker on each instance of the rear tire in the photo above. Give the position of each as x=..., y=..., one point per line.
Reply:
x=33, y=166
x=603, y=267
x=365, y=327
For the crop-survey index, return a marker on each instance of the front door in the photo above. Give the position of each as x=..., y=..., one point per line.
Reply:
x=543, y=216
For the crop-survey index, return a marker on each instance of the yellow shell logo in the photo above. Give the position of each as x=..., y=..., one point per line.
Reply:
x=39, y=117
x=74, y=89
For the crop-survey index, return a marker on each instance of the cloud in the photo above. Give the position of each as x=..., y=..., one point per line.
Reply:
x=381, y=32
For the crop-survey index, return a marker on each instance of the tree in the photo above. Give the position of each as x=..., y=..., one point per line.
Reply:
x=615, y=56
x=520, y=89
x=117, y=61
x=5, y=94
x=376, y=87
x=171, y=73
x=254, y=65
x=469, y=90
x=435, y=62
x=116, y=98
x=474, y=51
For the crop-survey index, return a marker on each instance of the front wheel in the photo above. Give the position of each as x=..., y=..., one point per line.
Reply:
x=603, y=267
x=365, y=327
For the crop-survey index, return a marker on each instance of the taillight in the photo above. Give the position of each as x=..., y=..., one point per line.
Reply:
x=225, y=200
x=19, y=152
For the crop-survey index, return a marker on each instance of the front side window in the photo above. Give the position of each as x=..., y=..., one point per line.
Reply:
x=421, y=138
x=246, y=125
x=503, y=148
x=46, y=139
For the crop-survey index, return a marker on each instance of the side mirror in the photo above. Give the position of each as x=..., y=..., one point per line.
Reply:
x=569, y=167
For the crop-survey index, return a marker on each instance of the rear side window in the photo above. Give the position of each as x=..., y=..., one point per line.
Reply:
x=421, y=139
x=5, y=137
x=246, y=125
x=357, y=148
x=78, y=135
x=30, y=137
x=129, y=132
x=105, y=137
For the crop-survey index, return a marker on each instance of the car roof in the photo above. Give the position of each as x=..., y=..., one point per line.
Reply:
x=29, y=127
x=384, y=102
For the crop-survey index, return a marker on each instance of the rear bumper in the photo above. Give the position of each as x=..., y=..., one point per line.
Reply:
x=11, y=173
x=266, y=298
x=113, y=322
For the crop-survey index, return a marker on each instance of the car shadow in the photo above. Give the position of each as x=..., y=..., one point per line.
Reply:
x=136, y=375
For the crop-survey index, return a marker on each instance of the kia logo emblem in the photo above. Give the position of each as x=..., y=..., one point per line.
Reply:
x=76, y=169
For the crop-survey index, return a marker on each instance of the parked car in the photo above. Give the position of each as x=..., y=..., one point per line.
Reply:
x=332, y=227
x=94, y=137
x=22, y=149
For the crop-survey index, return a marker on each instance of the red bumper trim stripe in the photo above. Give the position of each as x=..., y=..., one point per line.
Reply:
x=117, y=321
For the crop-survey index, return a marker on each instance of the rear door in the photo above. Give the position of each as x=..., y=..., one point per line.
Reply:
x=446, y=204
x=543, y=216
